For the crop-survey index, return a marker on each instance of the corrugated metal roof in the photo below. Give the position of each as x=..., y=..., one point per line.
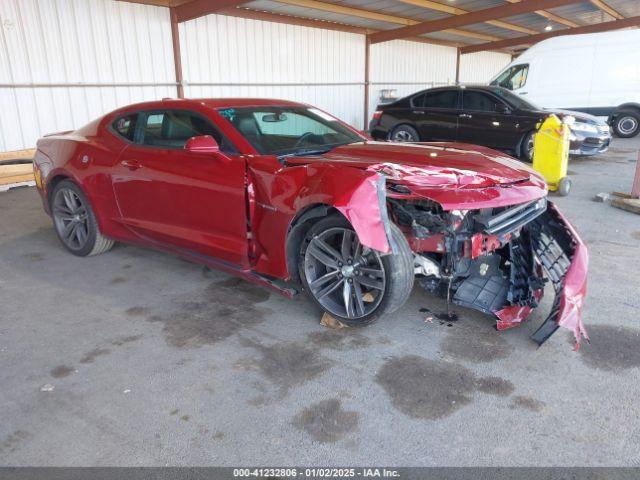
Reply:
x=626, y=7
x=582, y=13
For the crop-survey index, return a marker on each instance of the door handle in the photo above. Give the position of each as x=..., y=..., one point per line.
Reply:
x=131, y=164
x=523, y=93
x=465, y=115
x=418, y=112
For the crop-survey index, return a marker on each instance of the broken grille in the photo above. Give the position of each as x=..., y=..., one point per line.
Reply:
x=512, y=218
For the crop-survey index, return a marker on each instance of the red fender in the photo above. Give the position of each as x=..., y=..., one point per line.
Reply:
x=358, y=195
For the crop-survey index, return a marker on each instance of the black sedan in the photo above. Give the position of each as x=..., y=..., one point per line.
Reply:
x=482, y=115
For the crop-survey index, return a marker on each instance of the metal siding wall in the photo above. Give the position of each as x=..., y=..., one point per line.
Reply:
x=77, y=41
x=408, y=67
x=480, y=67
x=219, y=51
x=105, y=41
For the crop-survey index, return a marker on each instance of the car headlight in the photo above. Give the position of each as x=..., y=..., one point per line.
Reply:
x=584, y=127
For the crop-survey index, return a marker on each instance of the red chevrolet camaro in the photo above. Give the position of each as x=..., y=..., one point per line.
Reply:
x=288, y=196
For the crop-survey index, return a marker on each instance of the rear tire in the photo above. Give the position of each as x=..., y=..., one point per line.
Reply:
x=627, y=124
x=404, y=133
x=352, y=283
x=74, y=221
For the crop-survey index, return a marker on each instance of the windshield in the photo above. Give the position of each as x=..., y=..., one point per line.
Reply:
x=513, y=78
x=514, y=100
x=289, y=130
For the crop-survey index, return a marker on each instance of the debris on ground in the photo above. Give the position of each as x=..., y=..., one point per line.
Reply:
x=628, y=204
x=602, y=197
x=330, y=322
x=444, y=317
x=47, y=388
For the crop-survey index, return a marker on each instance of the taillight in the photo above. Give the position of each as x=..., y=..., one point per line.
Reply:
x=377, y=114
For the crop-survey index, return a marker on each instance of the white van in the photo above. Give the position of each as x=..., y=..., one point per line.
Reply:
x=597, y=73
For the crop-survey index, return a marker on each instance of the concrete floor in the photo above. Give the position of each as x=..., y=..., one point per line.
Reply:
x=138, y=358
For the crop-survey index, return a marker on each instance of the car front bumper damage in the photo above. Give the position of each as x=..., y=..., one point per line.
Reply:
x=565, y=259
x=498, y=262
x=560, y=256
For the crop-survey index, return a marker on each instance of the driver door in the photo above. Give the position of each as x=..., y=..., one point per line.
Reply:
x=193, y=201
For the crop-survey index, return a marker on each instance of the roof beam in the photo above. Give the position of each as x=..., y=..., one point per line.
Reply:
x=156, y=3
x=378, y=16
x=478, y=16
x=200, y=8
x=439, y=7
x=251, y=14
x=242, y=12
x=551, y=16
x=605, y=7
x=598, y=27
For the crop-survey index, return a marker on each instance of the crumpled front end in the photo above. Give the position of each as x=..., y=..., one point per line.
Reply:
x=498, y=259
x=565, y=260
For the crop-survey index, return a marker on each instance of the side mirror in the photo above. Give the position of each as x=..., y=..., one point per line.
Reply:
x=502, y=108
x=202, y=144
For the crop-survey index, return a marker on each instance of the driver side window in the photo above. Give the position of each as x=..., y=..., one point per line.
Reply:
x=172, y=129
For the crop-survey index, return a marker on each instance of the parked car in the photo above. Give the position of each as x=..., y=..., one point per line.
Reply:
x=597, y=73
x=287, y=196
x=481, y=115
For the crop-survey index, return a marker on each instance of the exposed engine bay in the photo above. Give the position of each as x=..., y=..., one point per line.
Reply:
x=495, y=260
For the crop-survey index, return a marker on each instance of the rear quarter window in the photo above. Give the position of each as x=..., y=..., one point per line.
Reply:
x=442, y=99
x=125, y=126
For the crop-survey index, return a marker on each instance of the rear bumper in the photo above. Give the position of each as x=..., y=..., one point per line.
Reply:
x=377, y=132
x=565, y=259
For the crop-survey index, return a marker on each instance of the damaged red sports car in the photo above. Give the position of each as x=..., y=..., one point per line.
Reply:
x=284, y=194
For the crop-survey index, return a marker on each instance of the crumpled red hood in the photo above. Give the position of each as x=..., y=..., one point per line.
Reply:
x=430, y=164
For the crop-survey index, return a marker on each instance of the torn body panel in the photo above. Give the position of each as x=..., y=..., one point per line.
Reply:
x=565, y=259
x=282, y=194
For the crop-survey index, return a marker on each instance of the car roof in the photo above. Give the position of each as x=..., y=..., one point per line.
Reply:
x=474, y=86
x=471, y=86
x=211, y=103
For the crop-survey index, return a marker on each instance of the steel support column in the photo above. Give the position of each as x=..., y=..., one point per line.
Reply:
x=177, y=61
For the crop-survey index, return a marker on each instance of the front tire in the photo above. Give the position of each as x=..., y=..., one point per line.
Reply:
x=74, y=221
x=404, y=133
x=526, y=148
x=627, y=124
x=354, y=284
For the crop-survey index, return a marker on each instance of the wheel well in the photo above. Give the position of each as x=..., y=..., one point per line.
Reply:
x=298, y=229
x=634, y=107
x=51, y=186
x=521, y=142
x=403, y=124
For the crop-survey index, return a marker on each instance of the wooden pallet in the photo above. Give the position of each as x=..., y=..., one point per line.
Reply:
x=18, y=154
x=628, y=204
x=16, y=173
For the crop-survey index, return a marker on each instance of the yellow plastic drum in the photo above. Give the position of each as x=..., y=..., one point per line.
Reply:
x=551, y=154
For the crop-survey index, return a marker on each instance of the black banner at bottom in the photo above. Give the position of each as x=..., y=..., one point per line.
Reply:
x=285, y=473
